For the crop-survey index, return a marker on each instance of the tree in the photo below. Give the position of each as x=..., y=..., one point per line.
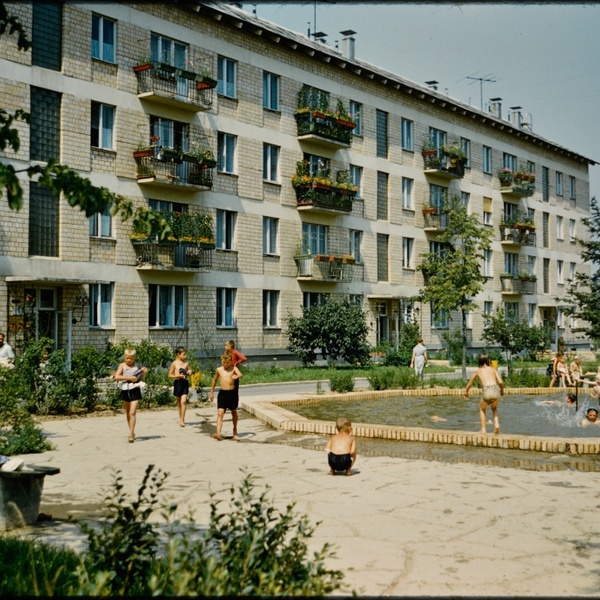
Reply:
x=512, y=335
x=582, y=300
x=337, y=328
x=78, y=191
x=453, y=274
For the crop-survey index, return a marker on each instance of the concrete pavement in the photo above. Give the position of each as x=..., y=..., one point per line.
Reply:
x=403, y=527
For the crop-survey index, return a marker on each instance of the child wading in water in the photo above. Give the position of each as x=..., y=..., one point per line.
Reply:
x=228, y=397
x=179, y=371
x=341, y=448
x=493, y=388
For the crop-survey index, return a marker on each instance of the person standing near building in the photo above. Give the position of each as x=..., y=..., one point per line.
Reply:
x=237, y=358
x=7, y=356
x=419, y=358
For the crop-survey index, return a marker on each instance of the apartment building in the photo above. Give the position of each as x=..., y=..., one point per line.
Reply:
x=237, y=130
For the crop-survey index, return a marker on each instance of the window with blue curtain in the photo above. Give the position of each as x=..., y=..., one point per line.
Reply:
x=103, y=38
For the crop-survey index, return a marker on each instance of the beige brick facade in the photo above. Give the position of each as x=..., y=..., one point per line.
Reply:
x=84, y=262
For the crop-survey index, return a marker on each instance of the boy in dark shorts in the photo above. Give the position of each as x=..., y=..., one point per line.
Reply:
x=179, y=371
x=341, y=448
x=228, y=397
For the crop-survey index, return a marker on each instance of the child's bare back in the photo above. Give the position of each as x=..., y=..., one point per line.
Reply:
x=341, y=448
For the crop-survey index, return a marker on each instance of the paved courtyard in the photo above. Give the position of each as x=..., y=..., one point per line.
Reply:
x=400, y=526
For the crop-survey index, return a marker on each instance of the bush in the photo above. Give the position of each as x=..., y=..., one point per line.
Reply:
x=341, y=382
x=455, y=346
x=391, y=378
x=526, y=378
x=409, y=336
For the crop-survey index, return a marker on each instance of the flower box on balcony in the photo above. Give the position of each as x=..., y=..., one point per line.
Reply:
x=343, y=123
x=430, y=211
x=143, y=153
x=205, y=83
x=166, y=67
x=429, y=152
x=185, y=74
x=143, y=67
x=169, y=155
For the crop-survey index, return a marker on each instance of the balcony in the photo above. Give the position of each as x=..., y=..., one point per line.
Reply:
x=155, y=255
x=324, y=267
x=161, y=83
x=324, y=129
x=435, y=221
x=518, y=284
x=436, y=163
x=319, y=193
x=159, y=168
x=517, y=235
x=519, y=183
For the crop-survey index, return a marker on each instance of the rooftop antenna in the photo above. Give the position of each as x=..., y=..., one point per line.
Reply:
x=481, y=80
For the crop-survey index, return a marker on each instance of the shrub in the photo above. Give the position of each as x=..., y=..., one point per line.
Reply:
x=341, y=382
x=526, y=378
x=455, y=346
x=400, y=357
x=390, y=378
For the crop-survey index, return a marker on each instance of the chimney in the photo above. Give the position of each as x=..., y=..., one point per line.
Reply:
x=496, y=107
x=433, y=84
x=348, y=43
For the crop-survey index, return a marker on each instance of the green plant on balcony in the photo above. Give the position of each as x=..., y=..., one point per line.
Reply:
x=344, y=183
x=311, y=99
x=527, y=277
x=305, y=179
x=454, y=152
x=342, y=116
x=505, y=176
x=507, y=276
x=206, y=79
x=434, y=162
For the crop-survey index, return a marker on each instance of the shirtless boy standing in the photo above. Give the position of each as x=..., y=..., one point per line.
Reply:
x=493, y=388
x=228, y=396
x=341, y=448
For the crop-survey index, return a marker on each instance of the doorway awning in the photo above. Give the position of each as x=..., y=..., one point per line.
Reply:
x=51, y=280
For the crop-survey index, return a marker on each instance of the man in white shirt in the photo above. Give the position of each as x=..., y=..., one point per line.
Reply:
x=6, y=353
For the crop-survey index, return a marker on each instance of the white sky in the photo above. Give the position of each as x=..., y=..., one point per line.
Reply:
x=544, y=57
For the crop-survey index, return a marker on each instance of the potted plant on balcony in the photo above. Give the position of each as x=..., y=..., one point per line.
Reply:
x=454, y=152
x=506, y=177
x=344, y=185
x=144, y=63
x=205, y=80
x=143, y=150
x=187, y=73
x=342, y=117
x=168, y=154
x=429, y=148
x=507, y=276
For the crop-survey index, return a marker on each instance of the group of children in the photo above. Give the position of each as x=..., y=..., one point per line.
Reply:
x=130, y=377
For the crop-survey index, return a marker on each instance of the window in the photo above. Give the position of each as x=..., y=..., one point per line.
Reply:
x=559, y=318
x=270, y=163
x=531, y=265
x=571, y=187
x=314, y=238
x=487, y=211
x=487, y=263
x=310, y=299
x=382, y=134
x=382, y=257
x=407, y=253
x=545, y=191
x=465, y=144
x=270, y=228
x=226, y=307
x=46, y=35
x=101, y=303
x=488, y=307
x=546, y=275
x=226, y=77
x=407, y=193
x=356, y=178
x=559, y=183
x=511, y=263
x=103, y=38
x=225, y=229
x=318, y=166
x=510, y=161
x=572, y=272
x=270, y=308
x=101, y=224
x=531, y=315
x=45, y=124
x=169, y=51
x=559, y=272
x=407, y=134
x=546, y=229
x=382, y=195
x=487, y=159
x=436, y=196
x=171, y=134
x=43, y=221
x=166, y=307
x=103, y=122
x=356, y=114
x=408, y=311
x=559, y=228
x=355, y=248
x=270, y=91
x=439, y=321
x=511, y=312
x=465, y=198
x=226, y=152
x=572, y=231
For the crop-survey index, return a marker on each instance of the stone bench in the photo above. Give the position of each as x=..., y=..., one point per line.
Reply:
x=21, y=494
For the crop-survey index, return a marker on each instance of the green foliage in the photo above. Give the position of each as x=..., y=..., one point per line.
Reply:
x=341, y=382
x=248, y=549
x=392, y=378
x=336, y=329
x=512, y=335
x=525, y=378
x=409, y=336
x=455, y=346
x=36, y=569
x=582, y=299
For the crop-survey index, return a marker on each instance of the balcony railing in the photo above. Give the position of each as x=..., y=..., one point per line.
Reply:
x=434, y=219
x=324, y=267
x=516, y=187
x=435, y=162
x=165, y=84
x=324, y=128
x=150, y=169
x=152, y=254
x=518, y=235
x=324, y=198
x=517, y=285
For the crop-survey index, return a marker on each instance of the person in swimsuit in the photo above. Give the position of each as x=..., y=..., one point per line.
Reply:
x=591, y=417
x=419, y=358
x=493, y=388
x=228, y=397
x=179, y=371
x=341, y=448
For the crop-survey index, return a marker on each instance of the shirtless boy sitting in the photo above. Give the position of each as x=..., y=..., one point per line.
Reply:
x=493, y=388
x=228, y=395
x=341, y=448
